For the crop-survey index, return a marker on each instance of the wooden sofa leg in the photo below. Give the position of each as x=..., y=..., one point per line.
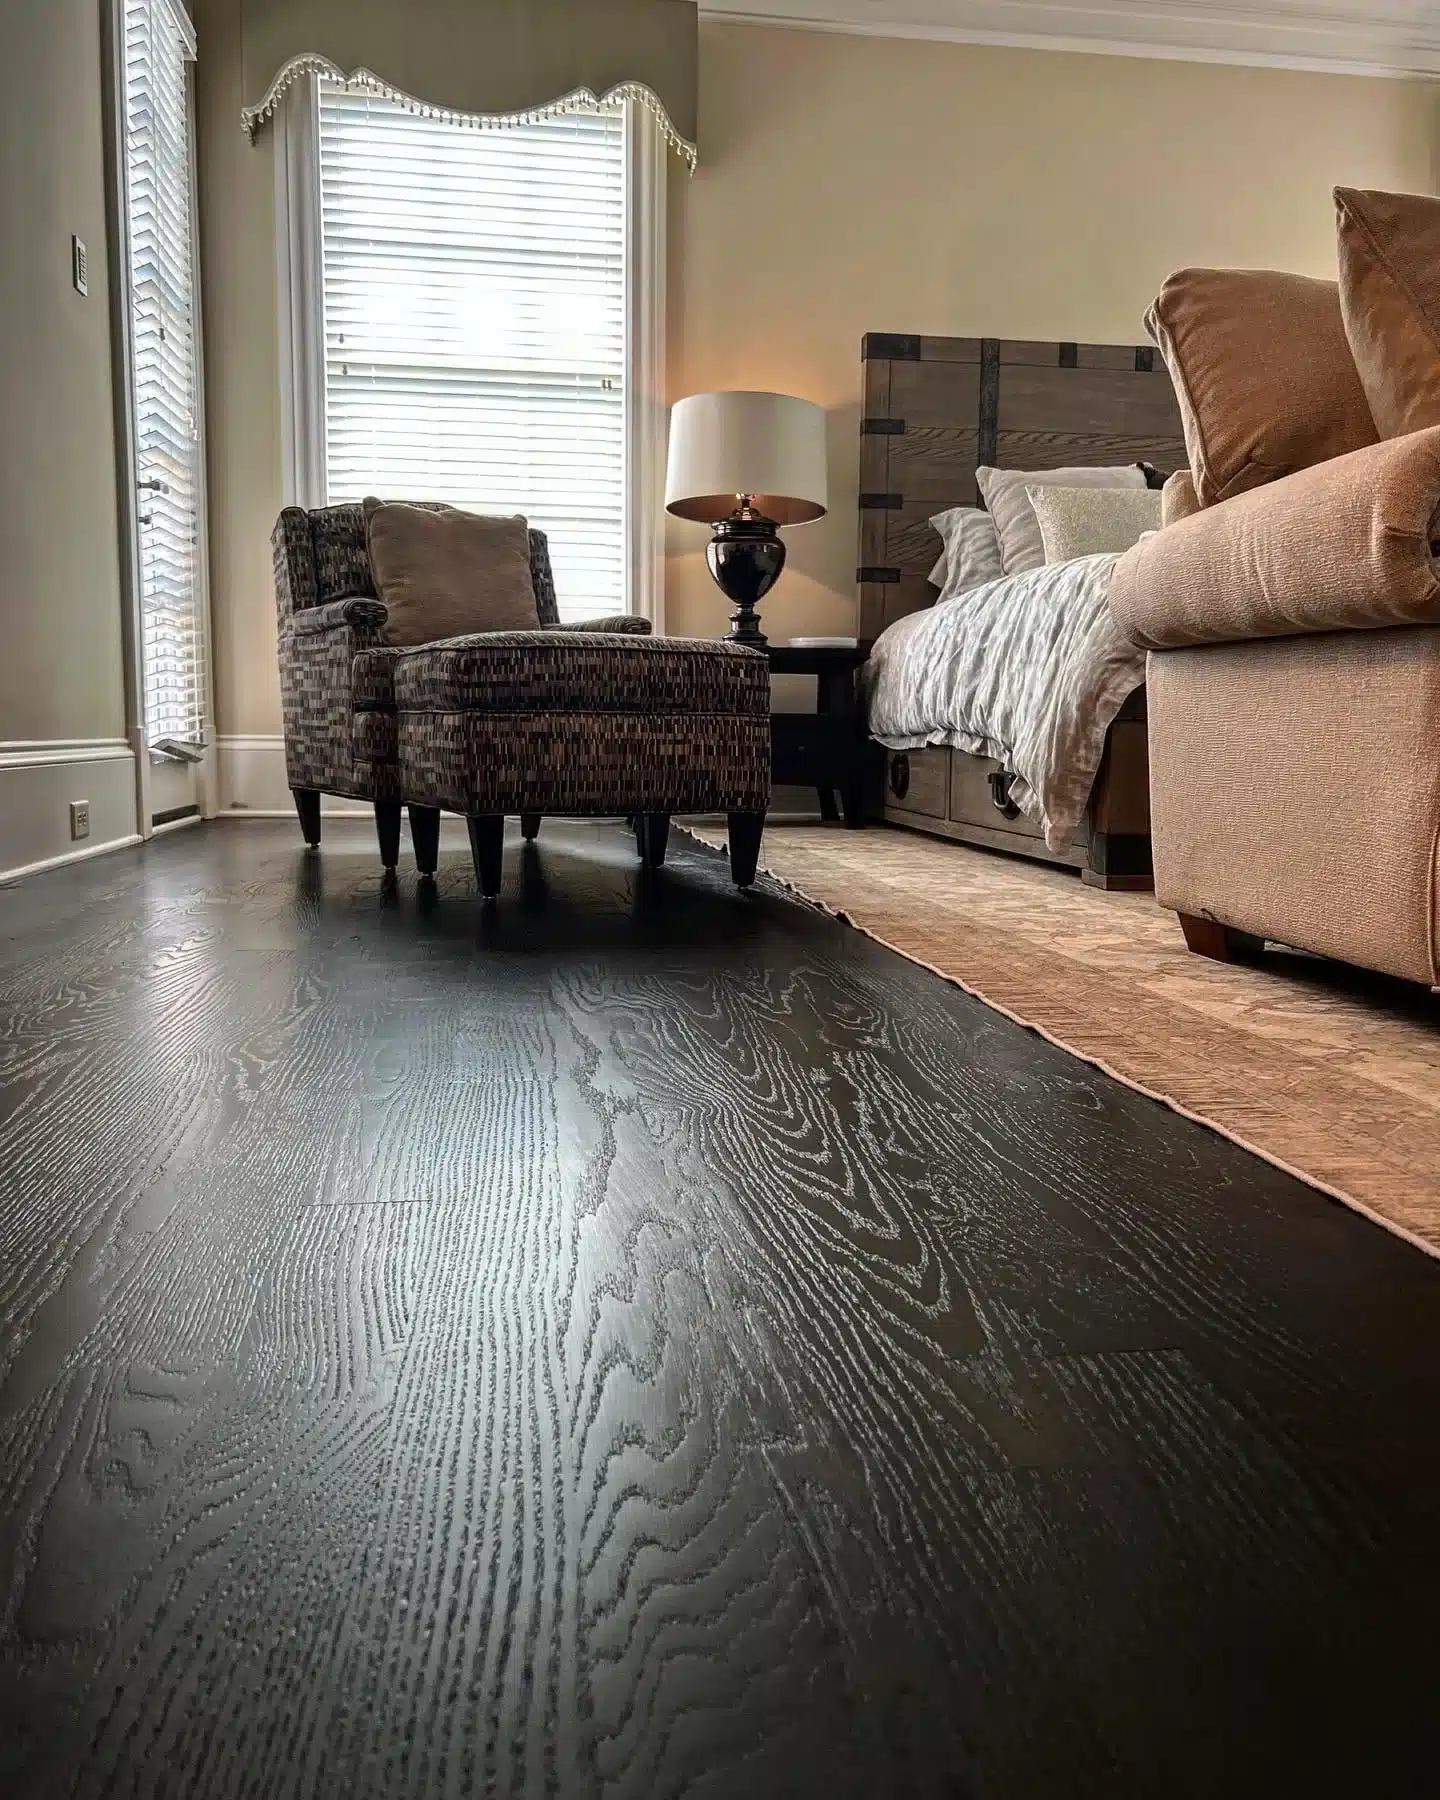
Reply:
x=746, y=830
x=652, y=834
x=1222, y=943
x=387, y=829
x=307, y=804
x=425, y=836
x=487, y=847
x=530, y=826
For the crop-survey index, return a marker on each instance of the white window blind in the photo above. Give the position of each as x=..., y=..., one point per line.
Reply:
x=475, y=323
x=158, y=49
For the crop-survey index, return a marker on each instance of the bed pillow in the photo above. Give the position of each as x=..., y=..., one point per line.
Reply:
x=1390, y=300
x=1003, y=491
x=1093, y=521
x=1263, y=374
x=443, y=574
x=971, y=553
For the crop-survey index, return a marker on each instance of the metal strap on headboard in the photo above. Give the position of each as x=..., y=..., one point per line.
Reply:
x=936, y=408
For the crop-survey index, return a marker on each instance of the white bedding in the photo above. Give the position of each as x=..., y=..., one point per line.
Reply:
x=1030, y=670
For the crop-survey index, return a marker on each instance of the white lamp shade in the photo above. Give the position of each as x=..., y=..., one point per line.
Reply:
x=769, y=446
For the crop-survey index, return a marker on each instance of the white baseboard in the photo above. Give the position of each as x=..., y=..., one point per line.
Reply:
x=39, y=781
x=84, y=854
x=253, y=783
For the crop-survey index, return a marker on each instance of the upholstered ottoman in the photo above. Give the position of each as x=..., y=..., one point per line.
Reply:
x=587, y=723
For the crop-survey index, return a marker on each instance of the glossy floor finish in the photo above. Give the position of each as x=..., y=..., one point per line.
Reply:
x=644, y=1341
x=1329, y=1071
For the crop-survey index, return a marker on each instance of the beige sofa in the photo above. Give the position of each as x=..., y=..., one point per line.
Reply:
x=1294, y=706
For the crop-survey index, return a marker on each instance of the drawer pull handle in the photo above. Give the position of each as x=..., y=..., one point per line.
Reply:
x=1001, y=781
x=899, y=776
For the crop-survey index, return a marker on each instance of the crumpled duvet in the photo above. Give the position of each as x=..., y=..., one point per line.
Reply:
x=1029, y=670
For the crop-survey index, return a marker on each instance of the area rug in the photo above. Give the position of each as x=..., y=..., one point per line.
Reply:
x=1330, y=1073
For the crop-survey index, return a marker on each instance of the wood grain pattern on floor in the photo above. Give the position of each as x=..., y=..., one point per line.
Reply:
x=645, y=1341
x=1330, y=1071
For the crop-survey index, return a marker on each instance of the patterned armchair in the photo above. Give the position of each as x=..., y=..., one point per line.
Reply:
x=339, y=708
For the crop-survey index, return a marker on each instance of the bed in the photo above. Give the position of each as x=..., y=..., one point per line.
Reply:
x=934, y=410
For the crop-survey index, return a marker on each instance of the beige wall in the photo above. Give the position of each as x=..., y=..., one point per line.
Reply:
x=242, y=379
x=61, y=671
x=847, y=185
x=852, y=184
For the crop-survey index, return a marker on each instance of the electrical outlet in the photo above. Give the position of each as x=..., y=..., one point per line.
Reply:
x=79, y=818
x=79, y=266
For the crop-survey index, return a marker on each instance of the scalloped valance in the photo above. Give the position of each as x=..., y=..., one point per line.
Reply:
x=481, y=61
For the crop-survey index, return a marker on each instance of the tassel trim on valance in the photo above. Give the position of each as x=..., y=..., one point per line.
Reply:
x=364, y=81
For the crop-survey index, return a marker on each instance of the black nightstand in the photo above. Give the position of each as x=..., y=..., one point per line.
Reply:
x=825, y=749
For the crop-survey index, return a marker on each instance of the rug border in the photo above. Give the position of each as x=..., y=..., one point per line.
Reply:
x=1096, y=1062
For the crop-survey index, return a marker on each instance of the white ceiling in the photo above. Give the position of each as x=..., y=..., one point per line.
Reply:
x=1394, y=37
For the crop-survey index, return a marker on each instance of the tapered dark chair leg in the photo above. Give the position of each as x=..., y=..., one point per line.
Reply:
x=387, y=829
x=652, y=834
x=487, y=847
x=307, y=804
x=425, y=836
x=530, y=826
x=746, y=830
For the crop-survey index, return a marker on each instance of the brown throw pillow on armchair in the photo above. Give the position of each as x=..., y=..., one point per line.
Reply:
x=1263, y=374
x=1390, y=297
x=444, y=573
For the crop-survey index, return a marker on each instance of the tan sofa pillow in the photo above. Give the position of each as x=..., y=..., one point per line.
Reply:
x=1178, y=499
x=1263, y=373
x=1390, y=299
x=1345, y=546
x=443, y=574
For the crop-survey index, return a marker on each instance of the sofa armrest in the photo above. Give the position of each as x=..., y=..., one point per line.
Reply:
x=1348, y=545
x=368, y=615
x=622, y=624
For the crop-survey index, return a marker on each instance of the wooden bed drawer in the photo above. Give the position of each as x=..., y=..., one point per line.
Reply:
x=972, y=800
x=918, y=781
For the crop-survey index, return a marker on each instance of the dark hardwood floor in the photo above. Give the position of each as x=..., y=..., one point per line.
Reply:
x=647, y=1341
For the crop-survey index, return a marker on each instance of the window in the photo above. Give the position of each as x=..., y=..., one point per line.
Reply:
x=466, y=322
x=164, y=368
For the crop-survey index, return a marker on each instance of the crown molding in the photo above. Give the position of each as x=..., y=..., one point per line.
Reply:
x=1363, y=37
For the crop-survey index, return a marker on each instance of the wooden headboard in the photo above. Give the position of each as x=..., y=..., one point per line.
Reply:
x=936, y=408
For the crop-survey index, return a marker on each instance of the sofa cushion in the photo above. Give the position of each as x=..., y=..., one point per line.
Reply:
x=1390, y=299
x=372, y=678
x=1178, y=499
x=1263, y=374
x=576, y=671
x=442, y=574
x=1345, y=546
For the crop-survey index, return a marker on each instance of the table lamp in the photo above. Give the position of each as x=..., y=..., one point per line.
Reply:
x=746, y=463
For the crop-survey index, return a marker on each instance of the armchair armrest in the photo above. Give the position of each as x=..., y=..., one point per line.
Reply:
x=1348, y=545
x=367, y=614
x=623, y=624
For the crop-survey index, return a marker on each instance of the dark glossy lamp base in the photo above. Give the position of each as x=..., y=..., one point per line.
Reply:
x=746, y=556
